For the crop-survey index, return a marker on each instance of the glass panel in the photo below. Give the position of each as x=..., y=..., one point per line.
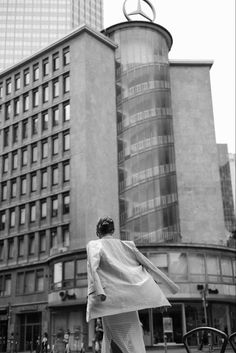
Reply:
x=178, y=268
x=57, y=275
x=29, y=282
x=196, y=267
x=213, y=268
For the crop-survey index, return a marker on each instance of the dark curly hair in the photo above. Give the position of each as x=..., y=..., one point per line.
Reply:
x=105, y=225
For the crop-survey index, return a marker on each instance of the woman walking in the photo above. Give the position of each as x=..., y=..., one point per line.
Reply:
x=121, y=281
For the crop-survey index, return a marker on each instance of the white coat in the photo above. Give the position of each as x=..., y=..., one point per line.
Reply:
x=118, y=270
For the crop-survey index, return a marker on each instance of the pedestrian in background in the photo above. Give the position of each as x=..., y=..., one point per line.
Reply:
x=121, y=281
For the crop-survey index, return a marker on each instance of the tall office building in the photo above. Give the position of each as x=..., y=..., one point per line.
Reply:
x=226, y=187
x=99, y=124
x=28, y=25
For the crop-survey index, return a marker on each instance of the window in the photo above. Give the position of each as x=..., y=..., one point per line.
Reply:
x=25, y=102
x=39, y=283
x=12, y=218
x=21, y=247
x=213, y=268
x=66, y=203
x=44, y=179
x=34, y=125
x=45, y=67
x=68, y=273
x=55, y=61
x=55, y=145
x=53, y=240
x=5, y=164
x=14, y=160
x=29, y=282
x=35, y=98
x=23, y=185
x=55, y=88
x=55, y=176
x=66, y=56
x=66, y=172
x=6, y=137
x=15, y=133
x=16, y=106
x=4, y=191
x=22, y=215
x=44, y=121
x=54, y=206
x=44, y=149
x=66, y=141
x=26, y=77
x=35, y=72
x=45, y=93
x=33, y=183
x=2, y=220
x=66, y=111
x=160, y=260
x=34, y=153
x=8, y=86
x=13, y=188
x=31, y=244
x=57, y=275
x=196, y=264
x=43, y=209
x=42, y=241
x=20, y=283
x=17, y=82
x=25, y=129
x=24, y=156
x=1, y=250
x=55, y=116
x=32, y=212
x=178, y=268
x=1, y=90
x=65, y=236
x=81, y=269
x=8, y=111
x=5, y=285
x=66, y=83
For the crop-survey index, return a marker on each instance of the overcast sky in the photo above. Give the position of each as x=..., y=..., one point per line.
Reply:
x=205, y=30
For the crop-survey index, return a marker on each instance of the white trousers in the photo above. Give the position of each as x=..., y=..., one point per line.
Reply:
x=125, y=330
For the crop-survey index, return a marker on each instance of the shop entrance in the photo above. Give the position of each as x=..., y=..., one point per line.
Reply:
x=29, y=329
x=3, y=335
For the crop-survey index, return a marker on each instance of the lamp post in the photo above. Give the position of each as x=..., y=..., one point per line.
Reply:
x=203, y=290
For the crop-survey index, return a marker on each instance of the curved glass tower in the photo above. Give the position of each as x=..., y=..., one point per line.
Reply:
x=146, y=156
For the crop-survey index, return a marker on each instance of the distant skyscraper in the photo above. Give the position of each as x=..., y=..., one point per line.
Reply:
x=226, y=187
x=28, y=25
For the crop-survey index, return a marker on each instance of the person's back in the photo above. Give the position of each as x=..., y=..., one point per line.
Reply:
x=121, y=281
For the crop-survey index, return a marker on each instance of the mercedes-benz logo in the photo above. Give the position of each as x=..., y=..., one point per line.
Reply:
x=139, y=11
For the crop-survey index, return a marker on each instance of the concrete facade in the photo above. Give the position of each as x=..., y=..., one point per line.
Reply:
x=198, y=179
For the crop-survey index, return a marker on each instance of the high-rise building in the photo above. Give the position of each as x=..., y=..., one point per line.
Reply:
x=28, y=25
x=226, y=187
x=104, y=124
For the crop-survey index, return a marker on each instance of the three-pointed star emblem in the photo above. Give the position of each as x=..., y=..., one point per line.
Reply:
x=139, y=11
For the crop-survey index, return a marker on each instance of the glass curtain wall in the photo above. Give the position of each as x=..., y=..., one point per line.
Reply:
x=147, y=176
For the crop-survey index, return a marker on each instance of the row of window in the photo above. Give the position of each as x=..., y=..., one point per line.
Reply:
x=33, y=99
x=56, y=145
x=197, y=267
x=37, y=124
x=35, y=72
x=35, y=244
x=68, y=274
x=34, y=211
x=36, y=181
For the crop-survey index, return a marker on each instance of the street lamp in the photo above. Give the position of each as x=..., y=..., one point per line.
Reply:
x=203, y=290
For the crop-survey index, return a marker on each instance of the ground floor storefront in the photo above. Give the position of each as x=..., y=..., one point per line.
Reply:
x=67, y=322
